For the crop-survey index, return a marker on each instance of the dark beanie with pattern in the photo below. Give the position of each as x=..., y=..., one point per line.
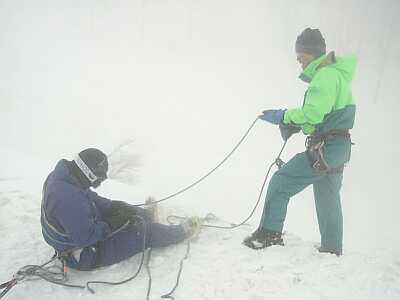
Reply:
x=312, y=42
x=96, y=160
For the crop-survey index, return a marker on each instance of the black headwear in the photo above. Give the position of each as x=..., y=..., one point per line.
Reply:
x=93, y=164
x=312, y=42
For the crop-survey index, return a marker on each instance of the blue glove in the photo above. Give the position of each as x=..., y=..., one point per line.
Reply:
x=274, y=116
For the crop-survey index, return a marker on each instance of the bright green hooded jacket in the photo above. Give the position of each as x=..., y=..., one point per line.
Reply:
x=328, y=102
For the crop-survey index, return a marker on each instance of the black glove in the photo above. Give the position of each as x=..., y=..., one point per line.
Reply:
x=287, y=130
x=119, y=213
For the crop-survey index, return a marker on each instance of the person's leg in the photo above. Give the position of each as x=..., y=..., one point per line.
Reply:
x=291, y=179
x=159, y=235
x=83, y=259
x=329, y=212
x=130, y=241
x=141, y=212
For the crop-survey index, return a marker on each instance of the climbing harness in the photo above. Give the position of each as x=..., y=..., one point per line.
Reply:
x=315, y=145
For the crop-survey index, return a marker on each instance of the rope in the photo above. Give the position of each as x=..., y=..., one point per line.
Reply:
x=60, y=277
x=208, y=173
x=169, y=294
x=56, y=275
x=148, y=273
x=7, y=286
x=277, y=162
x=53, y=274
x=138, y=270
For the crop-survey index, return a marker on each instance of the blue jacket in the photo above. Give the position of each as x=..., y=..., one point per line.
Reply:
x=71, y=216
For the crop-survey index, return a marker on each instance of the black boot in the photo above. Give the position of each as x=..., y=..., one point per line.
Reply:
x=262, y=238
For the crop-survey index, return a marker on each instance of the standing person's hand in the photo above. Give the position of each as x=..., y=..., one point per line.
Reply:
x=287, y=130
x=274, y=116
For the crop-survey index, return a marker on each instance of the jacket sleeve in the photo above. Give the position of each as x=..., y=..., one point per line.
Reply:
x=102, y=203
x=319, y=101
x=78, y=217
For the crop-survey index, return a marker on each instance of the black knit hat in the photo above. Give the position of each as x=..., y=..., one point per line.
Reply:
x=312, y=42
x=94, y=160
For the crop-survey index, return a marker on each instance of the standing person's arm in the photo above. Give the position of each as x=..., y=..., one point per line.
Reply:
x=319, y=101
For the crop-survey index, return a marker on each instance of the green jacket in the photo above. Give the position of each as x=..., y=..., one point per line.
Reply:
x=328, y=102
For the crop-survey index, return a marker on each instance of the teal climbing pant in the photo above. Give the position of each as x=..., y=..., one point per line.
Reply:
x=295, y=176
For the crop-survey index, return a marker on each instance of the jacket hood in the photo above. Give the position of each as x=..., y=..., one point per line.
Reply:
x=345, y=65
x=61, y=172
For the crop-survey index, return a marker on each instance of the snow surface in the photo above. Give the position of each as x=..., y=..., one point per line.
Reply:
x=184, y=80
x=218, y=266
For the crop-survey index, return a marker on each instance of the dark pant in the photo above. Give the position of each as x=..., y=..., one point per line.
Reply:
x=127, y=243
x=294, y=177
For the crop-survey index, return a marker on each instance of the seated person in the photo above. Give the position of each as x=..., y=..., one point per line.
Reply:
x=92, y=231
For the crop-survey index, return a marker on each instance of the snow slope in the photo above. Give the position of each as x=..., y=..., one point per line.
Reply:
x=184, y=79
x=218, y=266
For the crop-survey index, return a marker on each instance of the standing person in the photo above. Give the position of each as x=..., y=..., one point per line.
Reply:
x=326, y=116
x=91, y=231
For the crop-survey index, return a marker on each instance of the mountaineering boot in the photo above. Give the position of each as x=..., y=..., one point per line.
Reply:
x=336, y=252
x=262, y=238
x=191, y=227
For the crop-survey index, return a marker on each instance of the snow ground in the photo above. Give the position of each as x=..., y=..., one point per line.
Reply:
x=218, y=267
x=184, y=79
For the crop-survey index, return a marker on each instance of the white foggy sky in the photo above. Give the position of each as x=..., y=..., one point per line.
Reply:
x=185, y=79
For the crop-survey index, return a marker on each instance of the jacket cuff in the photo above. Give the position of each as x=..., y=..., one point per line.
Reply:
x=286, y=117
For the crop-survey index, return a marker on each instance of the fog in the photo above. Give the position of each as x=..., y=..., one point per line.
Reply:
x=184, y=80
